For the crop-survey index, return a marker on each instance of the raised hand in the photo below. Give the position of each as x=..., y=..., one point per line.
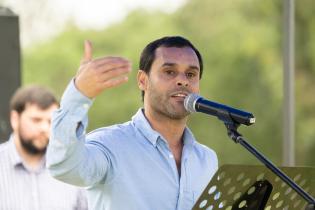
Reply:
x=96, y=75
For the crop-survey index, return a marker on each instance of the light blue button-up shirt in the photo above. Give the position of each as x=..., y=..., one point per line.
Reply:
x=126, y=166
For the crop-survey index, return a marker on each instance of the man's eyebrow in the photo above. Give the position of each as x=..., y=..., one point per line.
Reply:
x=168, y=64
x=192, y=67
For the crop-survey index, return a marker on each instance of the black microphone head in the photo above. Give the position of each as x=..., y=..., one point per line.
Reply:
x=190, y=101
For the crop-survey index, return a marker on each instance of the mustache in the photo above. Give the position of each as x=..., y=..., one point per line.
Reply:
x=180, y=90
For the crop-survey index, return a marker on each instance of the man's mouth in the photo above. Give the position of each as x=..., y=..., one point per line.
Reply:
x=180, y=95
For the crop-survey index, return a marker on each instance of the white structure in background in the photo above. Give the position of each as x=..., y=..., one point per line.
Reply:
x=288, y=85
x=41, y=20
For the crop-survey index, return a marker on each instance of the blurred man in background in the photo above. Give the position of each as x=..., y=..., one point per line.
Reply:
x=25, y=183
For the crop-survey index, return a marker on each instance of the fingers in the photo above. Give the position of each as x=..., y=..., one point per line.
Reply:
x=100, y=86
x=108, y=65
x=115, y=82
x=111, y=78
x=88, y=52
x=96, y=75
x=114, y=73
x=110, y=62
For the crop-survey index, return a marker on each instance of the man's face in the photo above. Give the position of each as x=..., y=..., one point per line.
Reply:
x=32, y=127
x=174, y=74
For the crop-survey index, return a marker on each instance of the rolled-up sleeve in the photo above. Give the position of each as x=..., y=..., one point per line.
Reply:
x=68, y=158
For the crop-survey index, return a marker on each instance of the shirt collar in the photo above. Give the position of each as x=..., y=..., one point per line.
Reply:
x=189, y=138
x=16, y=159
x=13, y=154
x=143, y=125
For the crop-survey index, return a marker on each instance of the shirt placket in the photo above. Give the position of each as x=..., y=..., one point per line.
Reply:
x=34, y=191
x=185, y=192
x=169, y=157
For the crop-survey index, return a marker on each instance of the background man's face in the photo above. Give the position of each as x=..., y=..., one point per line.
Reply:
x=33, y=128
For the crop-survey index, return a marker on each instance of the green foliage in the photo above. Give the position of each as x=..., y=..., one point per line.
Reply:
x=241, y=46
x=305, y=81
x=243, y=68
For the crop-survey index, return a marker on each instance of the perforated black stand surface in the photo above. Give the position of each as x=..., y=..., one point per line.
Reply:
x=255, y=188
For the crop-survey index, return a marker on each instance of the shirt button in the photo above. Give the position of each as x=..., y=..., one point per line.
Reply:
x=171, y=156
x=86, y=106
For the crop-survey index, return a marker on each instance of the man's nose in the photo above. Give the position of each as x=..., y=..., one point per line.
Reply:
x=182, y=80
x=45, y=126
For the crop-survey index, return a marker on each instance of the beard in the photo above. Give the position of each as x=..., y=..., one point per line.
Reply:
x=161, y=104
x=29, y=146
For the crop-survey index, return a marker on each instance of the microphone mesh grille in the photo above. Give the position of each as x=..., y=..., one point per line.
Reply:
x=189, y=102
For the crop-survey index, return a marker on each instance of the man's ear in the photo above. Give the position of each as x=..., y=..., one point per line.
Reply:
x=142, y=79
x=14, y=119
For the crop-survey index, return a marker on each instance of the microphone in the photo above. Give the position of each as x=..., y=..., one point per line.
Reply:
x=195, y=103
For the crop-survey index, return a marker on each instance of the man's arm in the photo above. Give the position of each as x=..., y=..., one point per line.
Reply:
x=69, y=158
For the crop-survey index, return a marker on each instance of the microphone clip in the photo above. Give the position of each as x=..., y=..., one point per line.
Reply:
x=230, y=125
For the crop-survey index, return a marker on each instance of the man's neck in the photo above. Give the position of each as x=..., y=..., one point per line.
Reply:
x=171, y=129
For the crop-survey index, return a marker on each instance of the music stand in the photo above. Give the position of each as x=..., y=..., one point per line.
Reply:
x=255, y=188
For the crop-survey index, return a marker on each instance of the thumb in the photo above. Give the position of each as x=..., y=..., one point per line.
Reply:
x=87, y=51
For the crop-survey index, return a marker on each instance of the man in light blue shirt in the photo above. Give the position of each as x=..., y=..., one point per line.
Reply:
x=152, y=162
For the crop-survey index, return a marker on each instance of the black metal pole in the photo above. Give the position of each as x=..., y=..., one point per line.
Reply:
x=277, y=171
x=237, y=137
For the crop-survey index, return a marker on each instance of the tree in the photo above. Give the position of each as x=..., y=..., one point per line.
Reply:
x=241, y=44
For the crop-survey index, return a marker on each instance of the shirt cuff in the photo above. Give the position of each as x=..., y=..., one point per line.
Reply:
x=73, y=99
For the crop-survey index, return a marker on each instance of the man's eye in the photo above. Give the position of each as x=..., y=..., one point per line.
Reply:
x=169, y=72
x=191, y=75
x=36, y=120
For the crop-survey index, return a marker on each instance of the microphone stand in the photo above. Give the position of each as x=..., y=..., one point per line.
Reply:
x=232, y=126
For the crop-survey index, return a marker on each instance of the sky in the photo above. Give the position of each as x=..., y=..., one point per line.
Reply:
x=44, y=19
x=97, y=13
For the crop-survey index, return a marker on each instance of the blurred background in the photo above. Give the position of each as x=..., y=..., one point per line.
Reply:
x=242, y=48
